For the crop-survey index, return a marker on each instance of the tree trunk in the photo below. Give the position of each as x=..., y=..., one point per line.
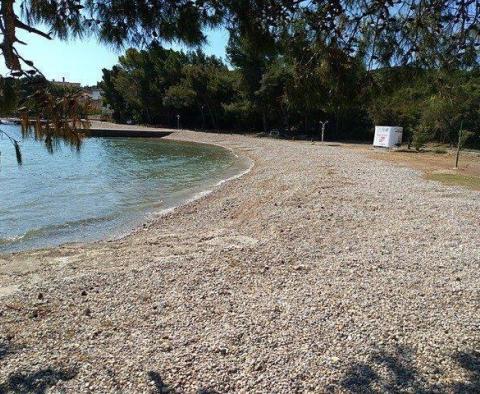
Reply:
x=203, y=118
x=337, y=119
x=212, y=117
x=7, y=27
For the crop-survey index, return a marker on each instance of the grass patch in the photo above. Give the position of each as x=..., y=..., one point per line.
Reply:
x=471, y=182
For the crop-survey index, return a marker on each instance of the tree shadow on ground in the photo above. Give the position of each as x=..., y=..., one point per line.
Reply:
x=162, y=388
x=37, y=382
x=395, y=372
x=4, y=350
x=470, y=362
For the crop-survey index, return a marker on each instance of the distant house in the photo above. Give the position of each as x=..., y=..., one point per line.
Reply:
x=94, y=93
x=65, y=84
x=96, y=97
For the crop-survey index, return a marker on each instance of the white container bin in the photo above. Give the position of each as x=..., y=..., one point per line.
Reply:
x=387, y=136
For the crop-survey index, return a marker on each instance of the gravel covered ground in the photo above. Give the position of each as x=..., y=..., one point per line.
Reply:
x=320, y=270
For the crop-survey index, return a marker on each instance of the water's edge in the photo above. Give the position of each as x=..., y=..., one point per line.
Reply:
x=152, y=217
x=148, y=218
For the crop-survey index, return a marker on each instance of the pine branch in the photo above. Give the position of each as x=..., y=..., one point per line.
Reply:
x=16, y=145
x=30, y=29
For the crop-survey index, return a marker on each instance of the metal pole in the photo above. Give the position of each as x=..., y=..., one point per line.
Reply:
x=324, y=125
x=459, y=145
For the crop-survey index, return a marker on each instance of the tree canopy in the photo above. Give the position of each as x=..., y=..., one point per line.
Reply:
x=282, y=91
x=390, y=32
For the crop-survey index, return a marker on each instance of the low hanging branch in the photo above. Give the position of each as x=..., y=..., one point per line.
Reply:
x=9, y=23
x=16, y=145
x=49, y=114
x=52, y=118
x=19, y=24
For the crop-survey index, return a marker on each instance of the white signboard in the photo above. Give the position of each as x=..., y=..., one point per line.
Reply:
x=387, y=136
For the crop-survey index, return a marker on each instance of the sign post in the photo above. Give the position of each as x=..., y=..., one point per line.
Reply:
x=323, y=124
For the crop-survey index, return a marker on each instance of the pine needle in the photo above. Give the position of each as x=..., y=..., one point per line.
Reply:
x=18, y=153
x=16, y=145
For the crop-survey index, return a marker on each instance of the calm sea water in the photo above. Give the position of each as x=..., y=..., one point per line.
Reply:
x=104, y=190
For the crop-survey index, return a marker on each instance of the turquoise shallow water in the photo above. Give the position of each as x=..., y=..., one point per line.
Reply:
x=103, y=191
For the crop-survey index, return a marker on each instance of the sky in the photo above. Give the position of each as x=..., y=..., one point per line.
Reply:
x=83, y=60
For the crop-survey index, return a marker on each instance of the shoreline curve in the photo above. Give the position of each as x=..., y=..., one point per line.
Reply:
x=148, y=218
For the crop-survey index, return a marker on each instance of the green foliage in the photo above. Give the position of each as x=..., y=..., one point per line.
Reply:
x=385, y=32
x=455, y=104
x=397, y=98
x=155, y=85
x=291, y=90
x=471, y=182
x=9, y=96
x=431, y=105
x=420, y=137
x=299, y=81
x=179, y=97
x=463, y=137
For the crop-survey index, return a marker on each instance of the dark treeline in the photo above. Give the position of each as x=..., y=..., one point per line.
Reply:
x=291, y=88
x=291, y=63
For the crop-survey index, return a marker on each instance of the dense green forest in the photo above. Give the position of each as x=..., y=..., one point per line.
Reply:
x=290, y=64
x=291, y=90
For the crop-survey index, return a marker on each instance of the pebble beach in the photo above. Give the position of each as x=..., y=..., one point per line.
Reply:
x=319, y=270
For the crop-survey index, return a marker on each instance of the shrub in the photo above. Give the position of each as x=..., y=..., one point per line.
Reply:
x=420, y=137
